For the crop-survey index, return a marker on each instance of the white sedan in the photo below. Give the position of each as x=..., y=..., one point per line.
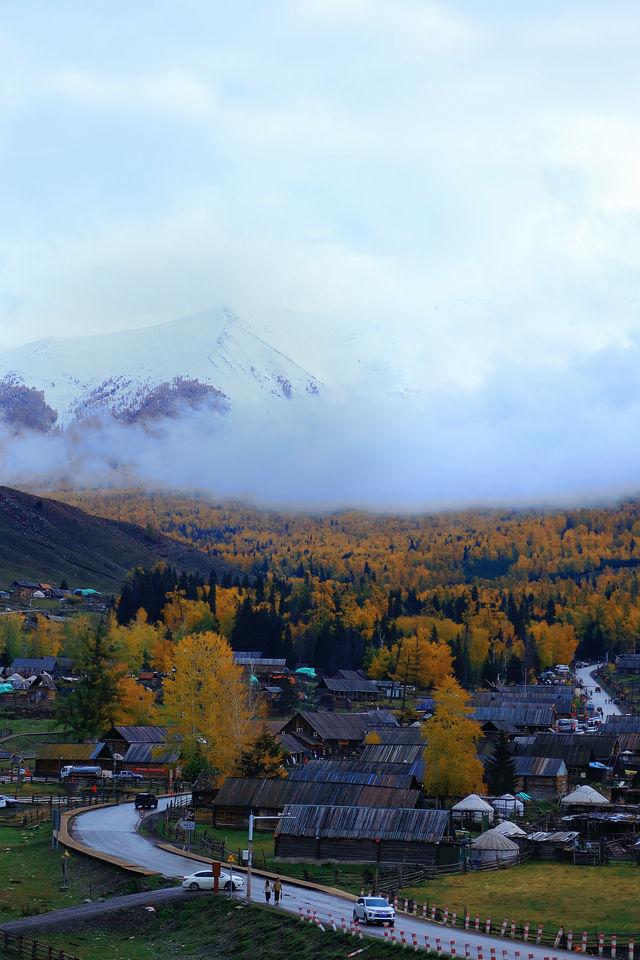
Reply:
x=203, y=880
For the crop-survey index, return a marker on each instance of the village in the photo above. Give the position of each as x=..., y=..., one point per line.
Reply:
x=350, y=782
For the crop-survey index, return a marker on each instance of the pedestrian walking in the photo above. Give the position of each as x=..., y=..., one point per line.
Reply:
x=277, y=890
x=267, y=890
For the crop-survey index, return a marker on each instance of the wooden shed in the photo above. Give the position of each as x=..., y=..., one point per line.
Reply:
x=360, y=834
x=238, y=797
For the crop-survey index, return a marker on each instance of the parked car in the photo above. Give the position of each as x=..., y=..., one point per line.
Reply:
x=374, y=910
x=6, y=801
x=146, y=801
x=204, y=880
x=127, y=776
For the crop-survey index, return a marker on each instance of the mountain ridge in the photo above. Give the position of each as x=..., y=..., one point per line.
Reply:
x=216, y=361
x=44, y=539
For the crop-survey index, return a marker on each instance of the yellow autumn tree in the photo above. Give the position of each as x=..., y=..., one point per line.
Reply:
x=131, y=644
x=136, y=706
x=451, y=766
x=182, y=616
x=209, y=702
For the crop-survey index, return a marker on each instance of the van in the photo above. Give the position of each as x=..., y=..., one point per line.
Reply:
x=566, y=725
x=70, y=772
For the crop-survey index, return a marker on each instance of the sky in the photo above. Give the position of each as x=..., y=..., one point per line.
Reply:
x=440, y=200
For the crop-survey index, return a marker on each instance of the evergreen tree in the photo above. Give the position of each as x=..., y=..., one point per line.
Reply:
x=93, y=702
x=500, y=769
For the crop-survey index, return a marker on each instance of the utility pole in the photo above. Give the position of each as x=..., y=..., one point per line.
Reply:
x=252, y=819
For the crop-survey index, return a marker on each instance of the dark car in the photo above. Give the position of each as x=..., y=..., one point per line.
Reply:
x=127, y=776
x=146, y=801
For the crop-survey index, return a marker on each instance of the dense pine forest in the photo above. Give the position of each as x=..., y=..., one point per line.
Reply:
x=500, y=594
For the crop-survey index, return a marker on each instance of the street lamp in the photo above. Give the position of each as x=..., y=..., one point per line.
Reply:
x=252, y=819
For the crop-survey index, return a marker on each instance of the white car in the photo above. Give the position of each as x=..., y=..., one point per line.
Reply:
x=374, y=910
x=203, y=880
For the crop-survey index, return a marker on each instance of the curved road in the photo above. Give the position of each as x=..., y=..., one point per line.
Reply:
x=113, y=830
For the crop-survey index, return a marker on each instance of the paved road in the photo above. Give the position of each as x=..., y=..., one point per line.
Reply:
x=597, y=698
x=113, y=830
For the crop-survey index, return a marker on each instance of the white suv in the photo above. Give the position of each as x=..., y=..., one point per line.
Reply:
x=374, y=910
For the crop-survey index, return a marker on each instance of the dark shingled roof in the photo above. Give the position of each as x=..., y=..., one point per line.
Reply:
x=152, y=753
x=519, y=716
x=270, y=794
x=145, y=734
x=346, y=771
x=364, y=823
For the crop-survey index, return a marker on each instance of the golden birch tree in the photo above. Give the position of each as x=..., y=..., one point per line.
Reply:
x=208, y=701
x=451, y=766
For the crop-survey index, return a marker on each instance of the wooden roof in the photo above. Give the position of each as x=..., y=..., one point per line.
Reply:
x=364, y=823
x=274, y=794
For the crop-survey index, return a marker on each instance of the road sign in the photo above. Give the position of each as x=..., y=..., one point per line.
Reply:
x=189, y=814
x=66, y=855
x=188, y=825
x=231, y=858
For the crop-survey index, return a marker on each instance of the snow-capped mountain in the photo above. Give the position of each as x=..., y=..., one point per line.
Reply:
x=207, y=359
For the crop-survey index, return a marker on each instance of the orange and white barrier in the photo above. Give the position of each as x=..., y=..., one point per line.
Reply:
x=513, y=929
x=477, y=922
x=445, y=919
x=424, y=911
x=558, y=936
x=570, y=940
x=427, y=943
x=480, y=952
x=454, y=918
x=614, y=941
x=487, y=927
x=631, y=947
x=301, y=913
x=467, y=919
x=504, y=926
x=403, y=938
x=467, y=949
x=584, y=942
x=438, y=946
x=600, y=944
x=433, y=913
x=415, y=908
x=453, y=948
x=344, y=924
x=385, y=929
x=414, y=940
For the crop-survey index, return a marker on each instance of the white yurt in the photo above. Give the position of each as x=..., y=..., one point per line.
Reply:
x=472, y=809
x=508, y=806
x=584, y=796
x=509, y=829
x=493, y=847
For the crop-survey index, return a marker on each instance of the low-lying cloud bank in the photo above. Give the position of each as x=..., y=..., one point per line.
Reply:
x=523, y=437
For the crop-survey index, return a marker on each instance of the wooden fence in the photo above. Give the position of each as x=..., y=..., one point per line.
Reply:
x=32, y=948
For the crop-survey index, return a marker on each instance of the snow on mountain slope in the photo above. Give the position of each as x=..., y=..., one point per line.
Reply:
x=118, y=373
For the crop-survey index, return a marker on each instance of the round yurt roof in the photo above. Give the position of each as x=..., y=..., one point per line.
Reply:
x=583, y=795
x=490, y=840
x=474, y=802
x=509, y=829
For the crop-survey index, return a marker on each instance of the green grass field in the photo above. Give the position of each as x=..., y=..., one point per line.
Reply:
x=578, y=898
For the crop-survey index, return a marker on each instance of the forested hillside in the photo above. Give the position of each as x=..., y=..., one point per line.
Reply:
x=506, y=593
